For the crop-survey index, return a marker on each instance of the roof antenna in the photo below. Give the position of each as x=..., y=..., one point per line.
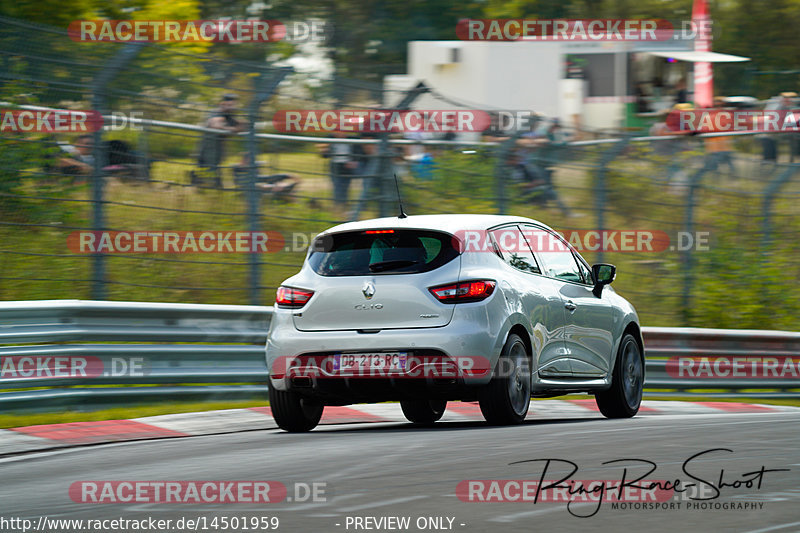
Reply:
x=399, y=199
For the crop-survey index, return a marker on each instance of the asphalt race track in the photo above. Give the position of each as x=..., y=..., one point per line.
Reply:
x=394, y=469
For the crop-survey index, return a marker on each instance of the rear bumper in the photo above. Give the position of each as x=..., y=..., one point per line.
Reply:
x=468, y=343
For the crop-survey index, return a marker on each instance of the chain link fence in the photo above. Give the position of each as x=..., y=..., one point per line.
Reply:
x=188, y=147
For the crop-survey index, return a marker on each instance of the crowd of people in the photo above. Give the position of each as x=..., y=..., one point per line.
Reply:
x=530, y=161
x=719, y=149
x=78, y=160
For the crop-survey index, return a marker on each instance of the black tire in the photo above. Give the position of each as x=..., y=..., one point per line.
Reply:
x=623, y=398
x=423, y=412
x=294, y=413
x=506, y=398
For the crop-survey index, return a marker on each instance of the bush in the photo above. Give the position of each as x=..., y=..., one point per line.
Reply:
x=28, y=169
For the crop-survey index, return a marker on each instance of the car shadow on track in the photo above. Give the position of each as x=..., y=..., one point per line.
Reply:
x=473, y=425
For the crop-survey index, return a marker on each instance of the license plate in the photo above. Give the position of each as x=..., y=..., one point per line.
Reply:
x=369, y=363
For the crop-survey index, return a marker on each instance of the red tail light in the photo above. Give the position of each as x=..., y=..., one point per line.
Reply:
x=291, y=298
x=464, y=291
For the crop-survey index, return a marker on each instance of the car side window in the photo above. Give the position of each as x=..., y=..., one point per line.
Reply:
x=586, y=272
x=514, y=249
x=432, y=247
x=556, y=256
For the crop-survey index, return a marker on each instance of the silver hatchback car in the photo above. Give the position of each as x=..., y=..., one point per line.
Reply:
x=433, y=308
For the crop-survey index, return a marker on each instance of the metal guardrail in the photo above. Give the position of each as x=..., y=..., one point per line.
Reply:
x=744, y=346
x=133, y=352
x=144, y=122
x=136, y=352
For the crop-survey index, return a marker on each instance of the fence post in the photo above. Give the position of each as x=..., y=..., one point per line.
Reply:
x=388, y=201
x=687, y=256
x=144, y=149
x=600, y=187
x=502, y=152
x=769, y=195
x=265, y=85
x=99, y=89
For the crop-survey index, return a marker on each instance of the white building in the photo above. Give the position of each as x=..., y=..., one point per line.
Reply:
x=589, y=83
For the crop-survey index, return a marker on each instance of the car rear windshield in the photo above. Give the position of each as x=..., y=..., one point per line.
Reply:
x=381, y=251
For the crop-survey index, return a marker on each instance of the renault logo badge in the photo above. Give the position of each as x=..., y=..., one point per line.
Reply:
x=368, y=290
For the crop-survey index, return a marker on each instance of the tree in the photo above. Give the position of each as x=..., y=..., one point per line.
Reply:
x=51, y=12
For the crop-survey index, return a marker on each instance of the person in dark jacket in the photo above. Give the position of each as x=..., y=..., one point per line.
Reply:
x=212, y=144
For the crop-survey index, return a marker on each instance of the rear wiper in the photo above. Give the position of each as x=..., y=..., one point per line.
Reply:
x=380, y=266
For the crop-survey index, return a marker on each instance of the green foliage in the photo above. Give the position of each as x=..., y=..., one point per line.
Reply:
x=739, y=283
x=170, y=146
x=460, y=183
x=28, y=169
x=764, y=30
x=370, y=37
x=52, y=12
x=736, y=279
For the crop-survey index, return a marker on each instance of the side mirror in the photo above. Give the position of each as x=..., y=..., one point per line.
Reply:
x=603, y=275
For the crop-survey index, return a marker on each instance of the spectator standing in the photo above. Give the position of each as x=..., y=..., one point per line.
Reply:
x=368, y=171
x=719, y=150
x=674, y=149
x=345, y=159
x=212, y=144
x=535, y=178
x=642, y=105
x=681, y=94
x=786, y=103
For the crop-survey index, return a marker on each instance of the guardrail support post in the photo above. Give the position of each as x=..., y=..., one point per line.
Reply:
x=388, y=195
x=769, y=196
x=687, y=256
x=265, y=85
x=100, y=105
x=600, y=187
x=500, y=171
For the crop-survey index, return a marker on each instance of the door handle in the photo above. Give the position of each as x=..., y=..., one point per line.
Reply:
x=570, y=305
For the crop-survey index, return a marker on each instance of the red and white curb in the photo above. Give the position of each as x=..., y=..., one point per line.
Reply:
x=34, y=438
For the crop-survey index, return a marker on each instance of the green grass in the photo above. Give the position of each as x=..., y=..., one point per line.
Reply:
x=709, y=398
x=161, y=206
x=638, y=198
x=121, y=413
